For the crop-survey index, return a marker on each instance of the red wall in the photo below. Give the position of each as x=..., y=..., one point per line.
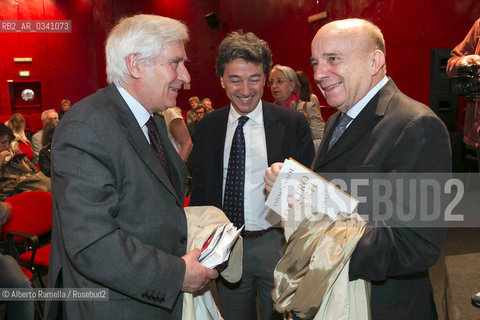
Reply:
x=72, y=65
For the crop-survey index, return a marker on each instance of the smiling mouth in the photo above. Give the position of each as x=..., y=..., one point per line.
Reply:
x=248, y=99
x=332, y=86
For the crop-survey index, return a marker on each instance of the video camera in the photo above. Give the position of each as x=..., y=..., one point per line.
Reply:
x=467, y=83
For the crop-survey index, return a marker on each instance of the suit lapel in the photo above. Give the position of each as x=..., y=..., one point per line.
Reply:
x=274, y=133
x=178, y=170
x=136, y=138
x=364, y=122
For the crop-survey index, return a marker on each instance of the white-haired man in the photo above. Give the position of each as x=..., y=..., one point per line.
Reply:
x=47, y=115
x=118, y=197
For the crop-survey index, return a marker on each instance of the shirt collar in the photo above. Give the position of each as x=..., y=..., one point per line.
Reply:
x=256, y=115
x=140, y=113
x=358, y=107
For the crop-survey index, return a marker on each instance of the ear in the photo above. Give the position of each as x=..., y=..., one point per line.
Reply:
x=133, y=66
x=378, y=61
x=222, y=82
x=291, y=85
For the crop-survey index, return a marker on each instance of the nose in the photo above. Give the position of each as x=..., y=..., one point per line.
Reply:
x=183, y=74
x=319, y=73
x=244, y=89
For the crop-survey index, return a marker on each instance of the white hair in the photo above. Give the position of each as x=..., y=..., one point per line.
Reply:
x=290, y=74
x=43, y=117
x=143, y=35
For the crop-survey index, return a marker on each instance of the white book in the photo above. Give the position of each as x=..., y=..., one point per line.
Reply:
x=298, y=184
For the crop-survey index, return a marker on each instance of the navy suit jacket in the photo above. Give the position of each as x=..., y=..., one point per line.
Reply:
x=287, y=135
x=392, y=134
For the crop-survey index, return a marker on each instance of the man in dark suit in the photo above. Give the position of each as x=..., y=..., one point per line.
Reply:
x=270, y=133
x=385, y=132
x=118, y=184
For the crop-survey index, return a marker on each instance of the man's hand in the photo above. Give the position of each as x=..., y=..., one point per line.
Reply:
x=470, y=59
x=5, y=156
x=21, y=165
x=196, y=275
x=271, y=175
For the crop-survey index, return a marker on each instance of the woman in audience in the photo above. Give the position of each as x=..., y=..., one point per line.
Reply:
x=17, y=124
x=44, y=155
x=178, y=132
x=286, y=88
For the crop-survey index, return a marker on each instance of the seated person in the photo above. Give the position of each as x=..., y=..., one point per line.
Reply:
x=47, y=115
x=65, y=106
x=17, y=124
x=17, y=174
x=44, y=155
x=208, y=104
x=12, y=276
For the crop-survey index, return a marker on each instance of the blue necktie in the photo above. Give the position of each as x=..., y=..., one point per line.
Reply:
x=235, y=182
x=157, y=145
x=339, y=129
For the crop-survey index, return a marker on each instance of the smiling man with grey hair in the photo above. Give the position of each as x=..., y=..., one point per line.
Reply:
x=118, y=196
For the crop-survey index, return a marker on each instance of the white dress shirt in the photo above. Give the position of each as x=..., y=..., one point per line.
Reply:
x=141, y=114
x=257, y=215
x=358, y=107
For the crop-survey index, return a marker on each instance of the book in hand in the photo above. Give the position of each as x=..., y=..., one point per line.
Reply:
x=217, y=248
x=296, y=183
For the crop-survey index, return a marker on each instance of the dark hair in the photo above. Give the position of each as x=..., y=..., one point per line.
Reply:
x=305, y=87
x=48, y=132
x=6, y=131
x=201, y=106
x=243, y=46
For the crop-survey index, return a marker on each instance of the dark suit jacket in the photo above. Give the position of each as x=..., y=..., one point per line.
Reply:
x=393, y=133
x=118, y=222
x=287, y=134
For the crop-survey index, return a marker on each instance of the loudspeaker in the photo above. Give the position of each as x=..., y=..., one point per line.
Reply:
x=442, y=101
x=212, y=20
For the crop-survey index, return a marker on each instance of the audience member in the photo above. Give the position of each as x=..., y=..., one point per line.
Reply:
x=208, y=104
x=17, y=173
x=17, y=124
x=64, y=107
x=311, y=108
x=118, y=219
x=384, y=131
x=237, y=143
x=47, y=115
x=286, y=88
x=11, y=276
x=468, y=53
x=200, y=112
x=190, y=117
x=178, y=132
x=44, y=156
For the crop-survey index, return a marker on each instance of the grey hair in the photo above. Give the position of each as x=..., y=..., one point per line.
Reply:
x=143, y=35
x=290, y=74
x=43, y=117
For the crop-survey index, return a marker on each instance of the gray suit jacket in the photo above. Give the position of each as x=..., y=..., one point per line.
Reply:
x=118, y=222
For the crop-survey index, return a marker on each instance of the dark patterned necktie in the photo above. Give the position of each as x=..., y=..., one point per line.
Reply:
x=157, y=145
x=339, y=129
x=235, y=182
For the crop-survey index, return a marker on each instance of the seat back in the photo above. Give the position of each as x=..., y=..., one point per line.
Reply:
x=26, y=148
x=31, y=213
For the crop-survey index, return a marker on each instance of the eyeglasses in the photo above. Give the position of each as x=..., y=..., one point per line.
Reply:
x=271, y=83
